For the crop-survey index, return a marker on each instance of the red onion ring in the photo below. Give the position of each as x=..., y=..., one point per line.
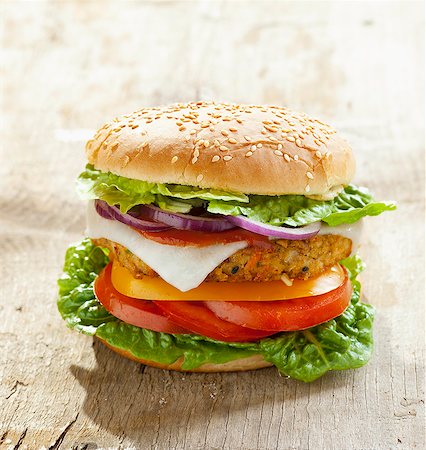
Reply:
x=156, y=219
x=186, y=221
x=294, y=234
x=113, y=213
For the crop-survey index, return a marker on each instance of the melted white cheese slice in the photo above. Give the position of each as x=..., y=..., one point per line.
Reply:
x=351, y=231
x=183, y=267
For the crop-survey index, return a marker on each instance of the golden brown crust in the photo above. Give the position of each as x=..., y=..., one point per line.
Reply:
x=241, y=148
x=298, y=259
x=238, y=365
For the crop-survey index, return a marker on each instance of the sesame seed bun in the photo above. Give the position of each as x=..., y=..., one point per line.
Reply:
x=264, y=150
x=237, y=365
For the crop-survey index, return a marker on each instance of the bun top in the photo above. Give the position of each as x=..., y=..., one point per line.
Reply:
x=266, y=150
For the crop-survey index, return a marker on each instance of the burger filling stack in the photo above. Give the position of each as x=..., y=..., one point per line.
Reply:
x=222, y=237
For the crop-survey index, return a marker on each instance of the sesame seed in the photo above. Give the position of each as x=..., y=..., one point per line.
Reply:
x=278, y=153
x=259, y=145
x=248, y=154
x=272, y=138
x=309, y=175
x=216, y=142
x=290, y=138
x=233, y=129
x=253, y=147
x=286, y=157
x=272, y=129
x=114, y=147
x=247, y=138
x=174, y=159
x=215, y=158
x=227, y=158
x=182, y=128
x=280, y=146
x=206, y=143
x=317, y=141
x=192, y=131
x=224, y=148
x=125, y=161
x=298, y=142
x=224, y=132
x=200, y=177
x=134, y=126
x=196, y=153
x=307, y=188
x=200, y=142
x=194, y=160
x=296, y=157
x=205, y=124
x=318, y=154
x=232, y=141
x=211, y=128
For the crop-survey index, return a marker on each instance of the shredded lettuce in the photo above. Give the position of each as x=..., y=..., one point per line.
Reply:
x=350, y=205
x=342, y=343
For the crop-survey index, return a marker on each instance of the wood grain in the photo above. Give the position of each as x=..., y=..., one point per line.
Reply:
x=69, y=66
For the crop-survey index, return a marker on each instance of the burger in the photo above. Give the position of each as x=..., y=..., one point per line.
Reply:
x=222, y=237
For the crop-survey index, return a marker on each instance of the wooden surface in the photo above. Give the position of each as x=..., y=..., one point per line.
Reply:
x=69, y=66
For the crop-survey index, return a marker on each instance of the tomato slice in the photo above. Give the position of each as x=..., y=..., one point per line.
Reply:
x=195, y=317
x=141, y=313
x=230, y=321
x=287, y=315
x=202, y=238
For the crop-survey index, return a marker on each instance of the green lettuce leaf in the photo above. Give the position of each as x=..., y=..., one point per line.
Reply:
x=354, y=265
x=350, y=205
x=343, y=343
x=126, y=193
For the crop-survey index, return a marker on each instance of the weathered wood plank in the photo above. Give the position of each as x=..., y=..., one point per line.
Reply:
x=69, y=67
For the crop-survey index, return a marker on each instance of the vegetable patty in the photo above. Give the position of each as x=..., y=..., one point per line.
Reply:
x=297, y=259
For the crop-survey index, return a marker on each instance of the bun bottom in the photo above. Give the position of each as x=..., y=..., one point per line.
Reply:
x=237, y=365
